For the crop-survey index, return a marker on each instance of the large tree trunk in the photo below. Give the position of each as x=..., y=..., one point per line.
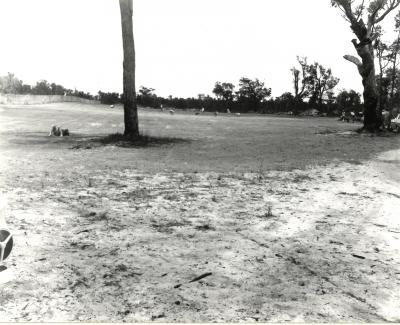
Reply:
x=366, y=68
x=129, y=97
x=372, y=111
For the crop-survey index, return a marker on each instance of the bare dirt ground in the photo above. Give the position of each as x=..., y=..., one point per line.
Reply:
x=286, y=219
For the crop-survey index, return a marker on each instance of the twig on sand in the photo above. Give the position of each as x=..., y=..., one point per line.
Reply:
x=201, y=277
x=195, y=279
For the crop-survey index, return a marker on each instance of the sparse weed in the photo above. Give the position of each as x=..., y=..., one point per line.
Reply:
x=301, y=178
x=93, y=215
x=88, y=181
x=205, y=227
x=171, y=197
x=269, y=213
x=260, y=171
x=170, y=225
x=139, y=193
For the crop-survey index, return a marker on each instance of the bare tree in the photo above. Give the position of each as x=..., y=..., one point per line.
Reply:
x=375, y=11
x=300, y=79
x=129, y=96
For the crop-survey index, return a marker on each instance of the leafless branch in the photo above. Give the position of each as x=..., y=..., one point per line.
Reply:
x=361, y=10
x=393, y=4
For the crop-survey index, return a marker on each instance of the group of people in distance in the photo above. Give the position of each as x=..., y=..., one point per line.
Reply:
x=387, y=116
x=351, y=117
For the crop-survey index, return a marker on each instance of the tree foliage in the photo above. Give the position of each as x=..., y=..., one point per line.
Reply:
x=252, y=93
x=9, y=84
x=224, y=91
x=312, y=81
x=320, y=81
x=348, y=100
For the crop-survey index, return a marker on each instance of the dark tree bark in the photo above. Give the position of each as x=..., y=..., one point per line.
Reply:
x=365, y=50
x=129, y=96
x=366, y=68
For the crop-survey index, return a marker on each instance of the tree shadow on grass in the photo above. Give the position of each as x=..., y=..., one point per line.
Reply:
x=86, y=141
x=357, y=133
x=120, y=140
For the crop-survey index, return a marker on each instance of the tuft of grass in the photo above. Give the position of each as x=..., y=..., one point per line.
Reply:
x=260, y=170
x=301, y=178
x=168, y=227
x=139, y=194
x=89, y=182
x=93, y=215
x=269, y=213
x=205, y=227
x=172, y=197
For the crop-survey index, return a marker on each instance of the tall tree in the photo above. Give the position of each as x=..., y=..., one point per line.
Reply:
x=319, y=82
x=252, y=93
x=300, y=79
x=374, y=12
x=129, y=96
x=224, y=91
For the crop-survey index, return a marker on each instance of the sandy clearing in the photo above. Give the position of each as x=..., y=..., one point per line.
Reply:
x=116, y=250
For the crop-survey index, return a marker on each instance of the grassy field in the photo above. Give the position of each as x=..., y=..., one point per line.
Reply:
x=198, y=143
x=289, y=219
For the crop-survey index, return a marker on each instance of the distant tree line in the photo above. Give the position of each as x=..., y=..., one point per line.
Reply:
x=313, y=88
x=10, y=84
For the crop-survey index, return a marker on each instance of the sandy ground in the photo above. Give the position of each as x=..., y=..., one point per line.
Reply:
x=315, y=244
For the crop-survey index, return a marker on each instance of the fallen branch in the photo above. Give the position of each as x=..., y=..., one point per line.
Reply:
x=201, y=277
x=195, y=279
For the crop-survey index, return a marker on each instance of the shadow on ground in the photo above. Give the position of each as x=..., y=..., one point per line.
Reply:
x=85, y=141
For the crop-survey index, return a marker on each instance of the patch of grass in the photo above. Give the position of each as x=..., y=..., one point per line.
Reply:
x=171, y=197
x=139, y=193
x=327, y=131
x=230, y=145
x=167, y=227
x=93, y=215
x=301, y=178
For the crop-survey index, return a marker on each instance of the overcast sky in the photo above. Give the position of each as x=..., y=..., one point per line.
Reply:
x=182, y=46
